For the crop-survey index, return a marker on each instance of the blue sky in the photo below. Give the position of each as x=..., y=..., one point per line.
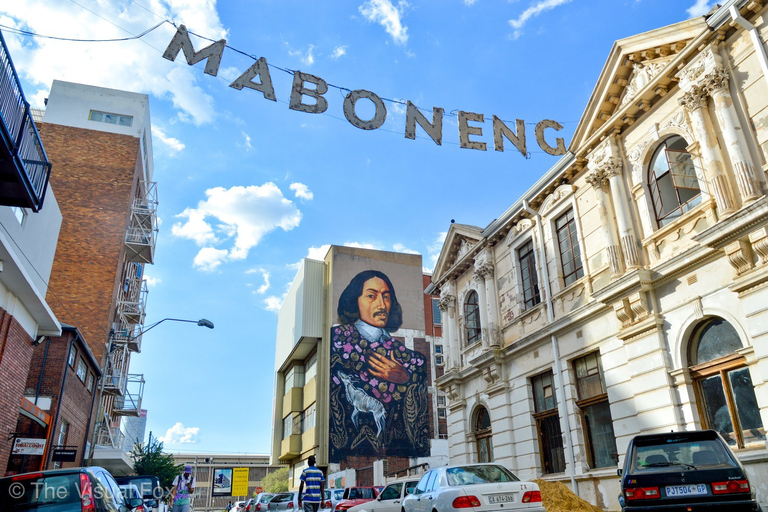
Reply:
x=249, y=187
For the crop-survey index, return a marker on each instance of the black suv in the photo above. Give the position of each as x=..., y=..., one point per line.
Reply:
x=686, y=471
x=90, y=489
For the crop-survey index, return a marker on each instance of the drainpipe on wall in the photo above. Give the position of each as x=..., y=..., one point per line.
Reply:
x=756, y=41
x=561, y=405
x=90, y=419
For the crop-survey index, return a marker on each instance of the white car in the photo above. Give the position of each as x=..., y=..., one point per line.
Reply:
x=391, y=497
x=480, y=487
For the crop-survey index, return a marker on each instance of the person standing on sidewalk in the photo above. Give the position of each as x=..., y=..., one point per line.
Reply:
x=315, y=487
x=183, y=488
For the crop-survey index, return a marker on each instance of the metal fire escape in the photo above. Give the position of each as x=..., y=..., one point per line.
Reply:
x=140, y=239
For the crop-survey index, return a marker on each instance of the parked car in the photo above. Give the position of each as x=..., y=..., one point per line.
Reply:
x=90, y=488
x=480, y=487
x=261, y=500
x=283, y=501
x=133, y=497
x=249, y=504
x=693, y=470
x=150, y=489
x=331, y=498
x=390, y=498
x=355, y=496
x=238, y=506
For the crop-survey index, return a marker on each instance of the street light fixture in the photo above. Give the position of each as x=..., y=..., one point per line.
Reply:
x=203, y=322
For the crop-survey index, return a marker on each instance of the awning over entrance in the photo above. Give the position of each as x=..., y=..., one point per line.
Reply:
x=34, y=413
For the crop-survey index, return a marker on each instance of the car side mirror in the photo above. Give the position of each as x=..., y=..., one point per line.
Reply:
x=619, y=471
x=378, y=498
x=136, y=502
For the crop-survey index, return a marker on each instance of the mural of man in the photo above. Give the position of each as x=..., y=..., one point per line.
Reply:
x=378, y=402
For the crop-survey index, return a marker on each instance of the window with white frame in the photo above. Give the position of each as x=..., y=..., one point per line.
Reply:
x=568, y=245
x=439, y=361
x=82, y=370
x=437, y=317
x=19, y=213
x=109, y=118
x=528, y=277
x=72, y=356
x=672, y=180
x=310, y=368
x=595, y=412
x=548, y=423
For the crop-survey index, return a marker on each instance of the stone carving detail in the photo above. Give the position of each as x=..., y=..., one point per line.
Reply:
x=446, y=301
x=604, y=172
x=641, y=76
x=555, y=197
x=759, y=240
x=678, y=121
x=694, y=72
x=740, y=256
x=623, y=313
x=629, y=246
x=698, y=307
x=453, y=392
x=717, y=80
x=614, y=259
x=694, y=99
x=491, y=374
x=522, y=226
x=639, y=305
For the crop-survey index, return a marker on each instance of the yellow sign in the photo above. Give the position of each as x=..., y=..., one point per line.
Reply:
x=239, y=481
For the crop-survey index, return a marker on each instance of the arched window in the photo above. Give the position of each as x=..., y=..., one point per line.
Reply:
x=672, y=180
x=483, y=435
x=726, y=396
x=472, y=317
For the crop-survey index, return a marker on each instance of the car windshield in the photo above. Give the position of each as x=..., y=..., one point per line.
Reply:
x=280, y=498
x=470, y=475
x=338, y=494
x=48, y=493
x=360, y=493
x=130, y=491
x=679, y=452
x=265, y=498
x=146, y=486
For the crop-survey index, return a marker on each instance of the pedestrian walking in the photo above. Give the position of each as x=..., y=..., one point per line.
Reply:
x=314, y=481
x=229, y=506
x=183, y=488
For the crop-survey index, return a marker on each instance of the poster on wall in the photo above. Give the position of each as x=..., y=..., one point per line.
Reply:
x=240, y=482
x=222, y=482
x=378, y=385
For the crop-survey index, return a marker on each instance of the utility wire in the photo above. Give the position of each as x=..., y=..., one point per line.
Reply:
x=19, y=31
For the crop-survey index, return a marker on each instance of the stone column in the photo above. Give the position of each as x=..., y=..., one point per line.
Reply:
x=695, y=102
x=613, y=171
x=492, y=299
x=448, y=304
x=483, y=305
x=716, y=84
x=598, y=181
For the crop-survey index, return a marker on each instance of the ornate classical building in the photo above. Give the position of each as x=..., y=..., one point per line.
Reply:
x=625, y=292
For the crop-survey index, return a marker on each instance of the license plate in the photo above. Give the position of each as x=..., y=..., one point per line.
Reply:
x=686, y=490
x=501, y=498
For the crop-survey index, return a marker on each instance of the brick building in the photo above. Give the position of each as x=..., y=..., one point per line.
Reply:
x=324, y=370
x=62, y=380
x=99, y=141
x=29, y=226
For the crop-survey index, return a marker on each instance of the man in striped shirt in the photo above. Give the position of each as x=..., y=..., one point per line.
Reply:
x=315, y=485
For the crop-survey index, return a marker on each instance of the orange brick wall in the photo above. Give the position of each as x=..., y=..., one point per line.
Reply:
x=94, y=177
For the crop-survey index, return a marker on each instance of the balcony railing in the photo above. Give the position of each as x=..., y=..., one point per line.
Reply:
x=129, y=404
x=131, y=305
x=127, y=334
x=141, y=237
x=24, y=166
x=110, y=437
x=116, y=376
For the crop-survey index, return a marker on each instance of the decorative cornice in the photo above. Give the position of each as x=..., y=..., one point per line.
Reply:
x=717, y=80
x=694, y=99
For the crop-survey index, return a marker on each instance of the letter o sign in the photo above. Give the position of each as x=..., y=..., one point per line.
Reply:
x=349, y=110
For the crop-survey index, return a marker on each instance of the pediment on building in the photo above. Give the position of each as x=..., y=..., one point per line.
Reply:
x=459, y=242
x=639, y=69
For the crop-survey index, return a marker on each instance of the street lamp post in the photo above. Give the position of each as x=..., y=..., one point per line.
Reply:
x=203, y=322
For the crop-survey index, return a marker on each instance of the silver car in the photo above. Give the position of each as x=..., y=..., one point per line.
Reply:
x=284, y=502
x=260, y=502
x=390, y=498
x=480, y=487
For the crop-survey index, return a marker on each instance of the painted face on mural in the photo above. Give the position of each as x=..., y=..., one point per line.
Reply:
x=374, y=303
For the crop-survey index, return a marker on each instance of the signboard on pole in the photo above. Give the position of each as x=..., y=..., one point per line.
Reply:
x=222, y=482
x=28, y=446
x=240, y=482
x=64, y=455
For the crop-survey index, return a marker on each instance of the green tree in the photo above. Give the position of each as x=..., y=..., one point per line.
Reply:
x=276, y=481
x=149, y=459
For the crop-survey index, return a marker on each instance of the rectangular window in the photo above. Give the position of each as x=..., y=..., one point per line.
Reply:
x=288, y=425
x=568, y=244
x=440, y=412
x=548, y=423
x=528, y=277
x=72, y=356
x=19, y=213
x=441, y=400
x=89, y=384
x=595, y=412
x=438, y=349
x=82, y=371
x=310, y=368
x=436, y=313
x=308, y=419
x=294, y=378
x=105, y=117
x=439, y=360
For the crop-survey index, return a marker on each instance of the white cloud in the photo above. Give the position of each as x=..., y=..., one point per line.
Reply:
x=242, y=217
x=700, y=8
x=307, y=58
x=302, y=191
x=401, y=248
x=130, y=65
x=264, y=287
x=469, y=2
x=318, y=253
x=152, y=281
x=246, y=141
x=174, y=144
x=273, y=303
x=434, y=248
x=179, y=434
x=339, y=51
x=532, y=11
x=387, y=15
